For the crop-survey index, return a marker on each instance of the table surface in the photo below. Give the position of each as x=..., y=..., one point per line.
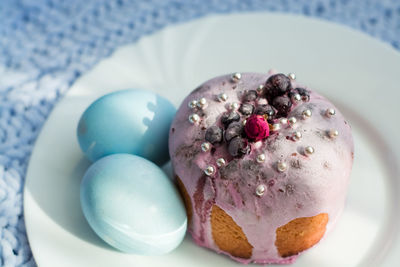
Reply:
x=46, y=45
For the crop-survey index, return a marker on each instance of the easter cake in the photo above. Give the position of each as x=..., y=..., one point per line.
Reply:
x=263, y=165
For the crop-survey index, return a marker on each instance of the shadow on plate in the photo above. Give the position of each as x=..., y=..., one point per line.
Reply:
x=61, y=200
x=62, y=204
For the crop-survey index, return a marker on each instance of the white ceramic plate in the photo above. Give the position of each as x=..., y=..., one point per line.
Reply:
x=355, y=71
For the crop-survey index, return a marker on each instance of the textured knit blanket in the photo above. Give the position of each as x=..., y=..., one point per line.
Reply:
x=45, y=45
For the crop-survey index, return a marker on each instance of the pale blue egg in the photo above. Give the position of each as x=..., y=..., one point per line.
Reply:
x=132, y=205
x=128, y=121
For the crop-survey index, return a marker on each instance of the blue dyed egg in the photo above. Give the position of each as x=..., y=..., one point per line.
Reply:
x=128, y=121
x=132, y=205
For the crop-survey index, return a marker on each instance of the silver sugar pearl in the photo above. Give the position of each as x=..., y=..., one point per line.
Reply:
x=221, y=162
x=330, y=112
x=244, y=122
x=296, y=98
x=306, y=114
x=292, y=76
x=333, y=133
x=210, y=170
x=283, y=121
x=194, y=118
x=260, y=190
x=205, y=146
x=260, y=89
x=236, y=77
x=281, y=166
x=202, y=103
x=308, y=150
x=296, y=136
x=261, y=158
x=192, y=104
x=292, y=121
x=234, y=106
x=222, y=97
x=275, y=127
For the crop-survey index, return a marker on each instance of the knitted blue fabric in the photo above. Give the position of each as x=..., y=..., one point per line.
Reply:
x=45, y=45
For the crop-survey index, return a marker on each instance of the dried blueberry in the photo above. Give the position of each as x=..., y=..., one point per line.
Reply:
x=214, y=134
x=238, y=147
x=265, y=110
x=305, y=95
x=234, y=129
x=228, y=118
x=250, y=96
x=277, y=85
x=282, y=104
x=246, y=109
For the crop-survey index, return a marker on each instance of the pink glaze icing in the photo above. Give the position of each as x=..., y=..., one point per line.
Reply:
x=311, y=184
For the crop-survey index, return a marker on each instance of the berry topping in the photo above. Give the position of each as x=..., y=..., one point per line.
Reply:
x=238, y=147
x=228, y=118
x=305, y=95
x=214, y=134
x=234, y=129
x=282, y=104
x=256, y=127
x=250, y=96
x=265, y=110
x=277, y=85
x=246, y=109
